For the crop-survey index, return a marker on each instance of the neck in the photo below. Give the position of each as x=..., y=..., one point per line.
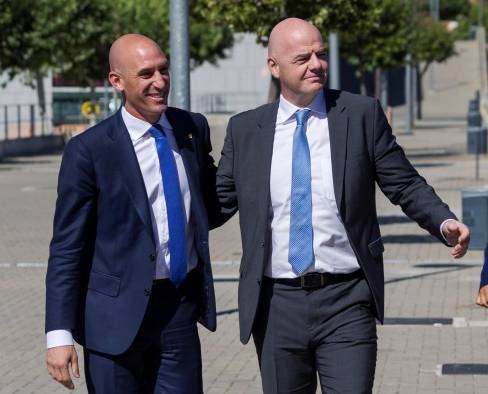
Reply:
x=300, y=100
x=149, y=118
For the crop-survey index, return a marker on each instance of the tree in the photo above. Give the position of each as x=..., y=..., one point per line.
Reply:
x=72, y=37
x=208, y=39
x=259, y=17
x=430, y=42
x=371, y=32
x=57, y=35
x=379, y=41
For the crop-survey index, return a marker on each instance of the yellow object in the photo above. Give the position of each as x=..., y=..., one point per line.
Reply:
x=90, y=110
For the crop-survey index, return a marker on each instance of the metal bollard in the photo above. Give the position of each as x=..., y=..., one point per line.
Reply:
x=5, y=115
x=19, y=125
x=32, y=121
x=474, y=105
x=475, y=215
x=476, y=140
x=474, y=118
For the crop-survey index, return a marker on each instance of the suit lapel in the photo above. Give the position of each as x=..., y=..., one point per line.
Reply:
x=128, y=167
x=338, y=129
x=182, y=130
x=264, y=152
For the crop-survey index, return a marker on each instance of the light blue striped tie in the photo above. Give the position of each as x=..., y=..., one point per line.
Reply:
x=300, y=254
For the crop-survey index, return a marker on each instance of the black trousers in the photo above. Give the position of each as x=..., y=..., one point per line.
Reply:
x=330, y=331
x=165, y=356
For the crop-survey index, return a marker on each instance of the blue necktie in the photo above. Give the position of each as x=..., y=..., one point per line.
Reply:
x=300, y=254
x=174, y=206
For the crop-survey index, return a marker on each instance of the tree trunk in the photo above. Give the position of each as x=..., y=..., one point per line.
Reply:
x=274, y=89
x=93, y=99
x=420, y=92
x=362, y=84
x=384, y=89
x=378, y=83
x=41, y=97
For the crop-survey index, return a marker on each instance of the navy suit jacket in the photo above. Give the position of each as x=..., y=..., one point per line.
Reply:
x=102, y=254
x=364, y=153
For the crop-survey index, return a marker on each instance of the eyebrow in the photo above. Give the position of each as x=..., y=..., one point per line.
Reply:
x=149, y=70
x=307, y=53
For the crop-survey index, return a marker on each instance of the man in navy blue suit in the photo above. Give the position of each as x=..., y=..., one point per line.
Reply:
x=129, y=267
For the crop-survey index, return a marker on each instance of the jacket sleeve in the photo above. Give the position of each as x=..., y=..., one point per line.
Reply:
x=401, y=183
x=72, y=238
x=226, y=186
x=208, y=168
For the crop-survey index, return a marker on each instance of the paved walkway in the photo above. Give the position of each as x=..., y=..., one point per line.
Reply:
x=422, y=281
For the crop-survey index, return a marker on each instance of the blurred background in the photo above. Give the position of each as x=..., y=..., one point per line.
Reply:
x=53, y=53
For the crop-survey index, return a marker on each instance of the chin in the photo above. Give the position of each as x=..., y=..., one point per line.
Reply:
x=159, y=108
x=316, y=87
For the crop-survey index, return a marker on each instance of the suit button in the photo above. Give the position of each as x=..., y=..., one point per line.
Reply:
x=262, y=244
x=152, y=257
x=147, y=292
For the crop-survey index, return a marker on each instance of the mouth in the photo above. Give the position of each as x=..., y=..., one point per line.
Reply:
x=315, y=78
x=160, y=98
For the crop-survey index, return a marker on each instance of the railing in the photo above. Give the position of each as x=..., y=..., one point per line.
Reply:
x=23, y=121
x=226, y=102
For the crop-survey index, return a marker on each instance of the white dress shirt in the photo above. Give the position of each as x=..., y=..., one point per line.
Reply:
x=332, y=251
x=331, y=247
x=147, y=157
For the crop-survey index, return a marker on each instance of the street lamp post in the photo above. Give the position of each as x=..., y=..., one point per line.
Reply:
x=334, y=77
x=180, y=54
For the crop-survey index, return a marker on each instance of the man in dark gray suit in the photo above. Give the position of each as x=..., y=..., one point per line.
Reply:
x=302, y=172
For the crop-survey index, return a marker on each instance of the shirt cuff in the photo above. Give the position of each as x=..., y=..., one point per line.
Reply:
x=442, y=233
x=59, y=338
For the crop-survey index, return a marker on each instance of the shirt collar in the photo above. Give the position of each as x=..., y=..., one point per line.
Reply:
x=137, y=128
x=286, y=110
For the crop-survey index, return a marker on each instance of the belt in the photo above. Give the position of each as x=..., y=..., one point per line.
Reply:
x=316, y=280
x=166, y=281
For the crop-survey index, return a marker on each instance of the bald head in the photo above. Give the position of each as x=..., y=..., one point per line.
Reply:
x=296, y=57
x=130, y=46
x=139, y=70
x=286, y=33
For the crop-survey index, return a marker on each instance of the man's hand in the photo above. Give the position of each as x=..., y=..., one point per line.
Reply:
x=59, y=361
x=457, y=235
x=482, y=299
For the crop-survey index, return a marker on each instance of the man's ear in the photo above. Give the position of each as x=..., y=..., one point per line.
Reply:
x=116, y=81
x=273, y=67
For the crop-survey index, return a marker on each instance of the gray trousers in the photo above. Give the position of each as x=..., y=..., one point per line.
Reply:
x=330, y=331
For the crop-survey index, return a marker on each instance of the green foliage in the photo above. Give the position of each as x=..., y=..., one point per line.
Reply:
x=453, y=9
x=372, y=32
x=431, y=42
x=77, y=35
x=73, y=37
x=16, y=25
x=259, y=16
x=467, y=22
x=380, y=39
x=208, y=41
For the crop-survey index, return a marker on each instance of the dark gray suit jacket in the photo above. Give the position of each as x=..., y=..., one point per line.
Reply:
x=363, y=152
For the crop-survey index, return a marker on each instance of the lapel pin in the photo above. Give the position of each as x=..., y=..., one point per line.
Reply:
x=190, y=136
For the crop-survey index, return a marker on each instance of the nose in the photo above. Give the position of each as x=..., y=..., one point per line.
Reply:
x=160, y=80
x=315, y=63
